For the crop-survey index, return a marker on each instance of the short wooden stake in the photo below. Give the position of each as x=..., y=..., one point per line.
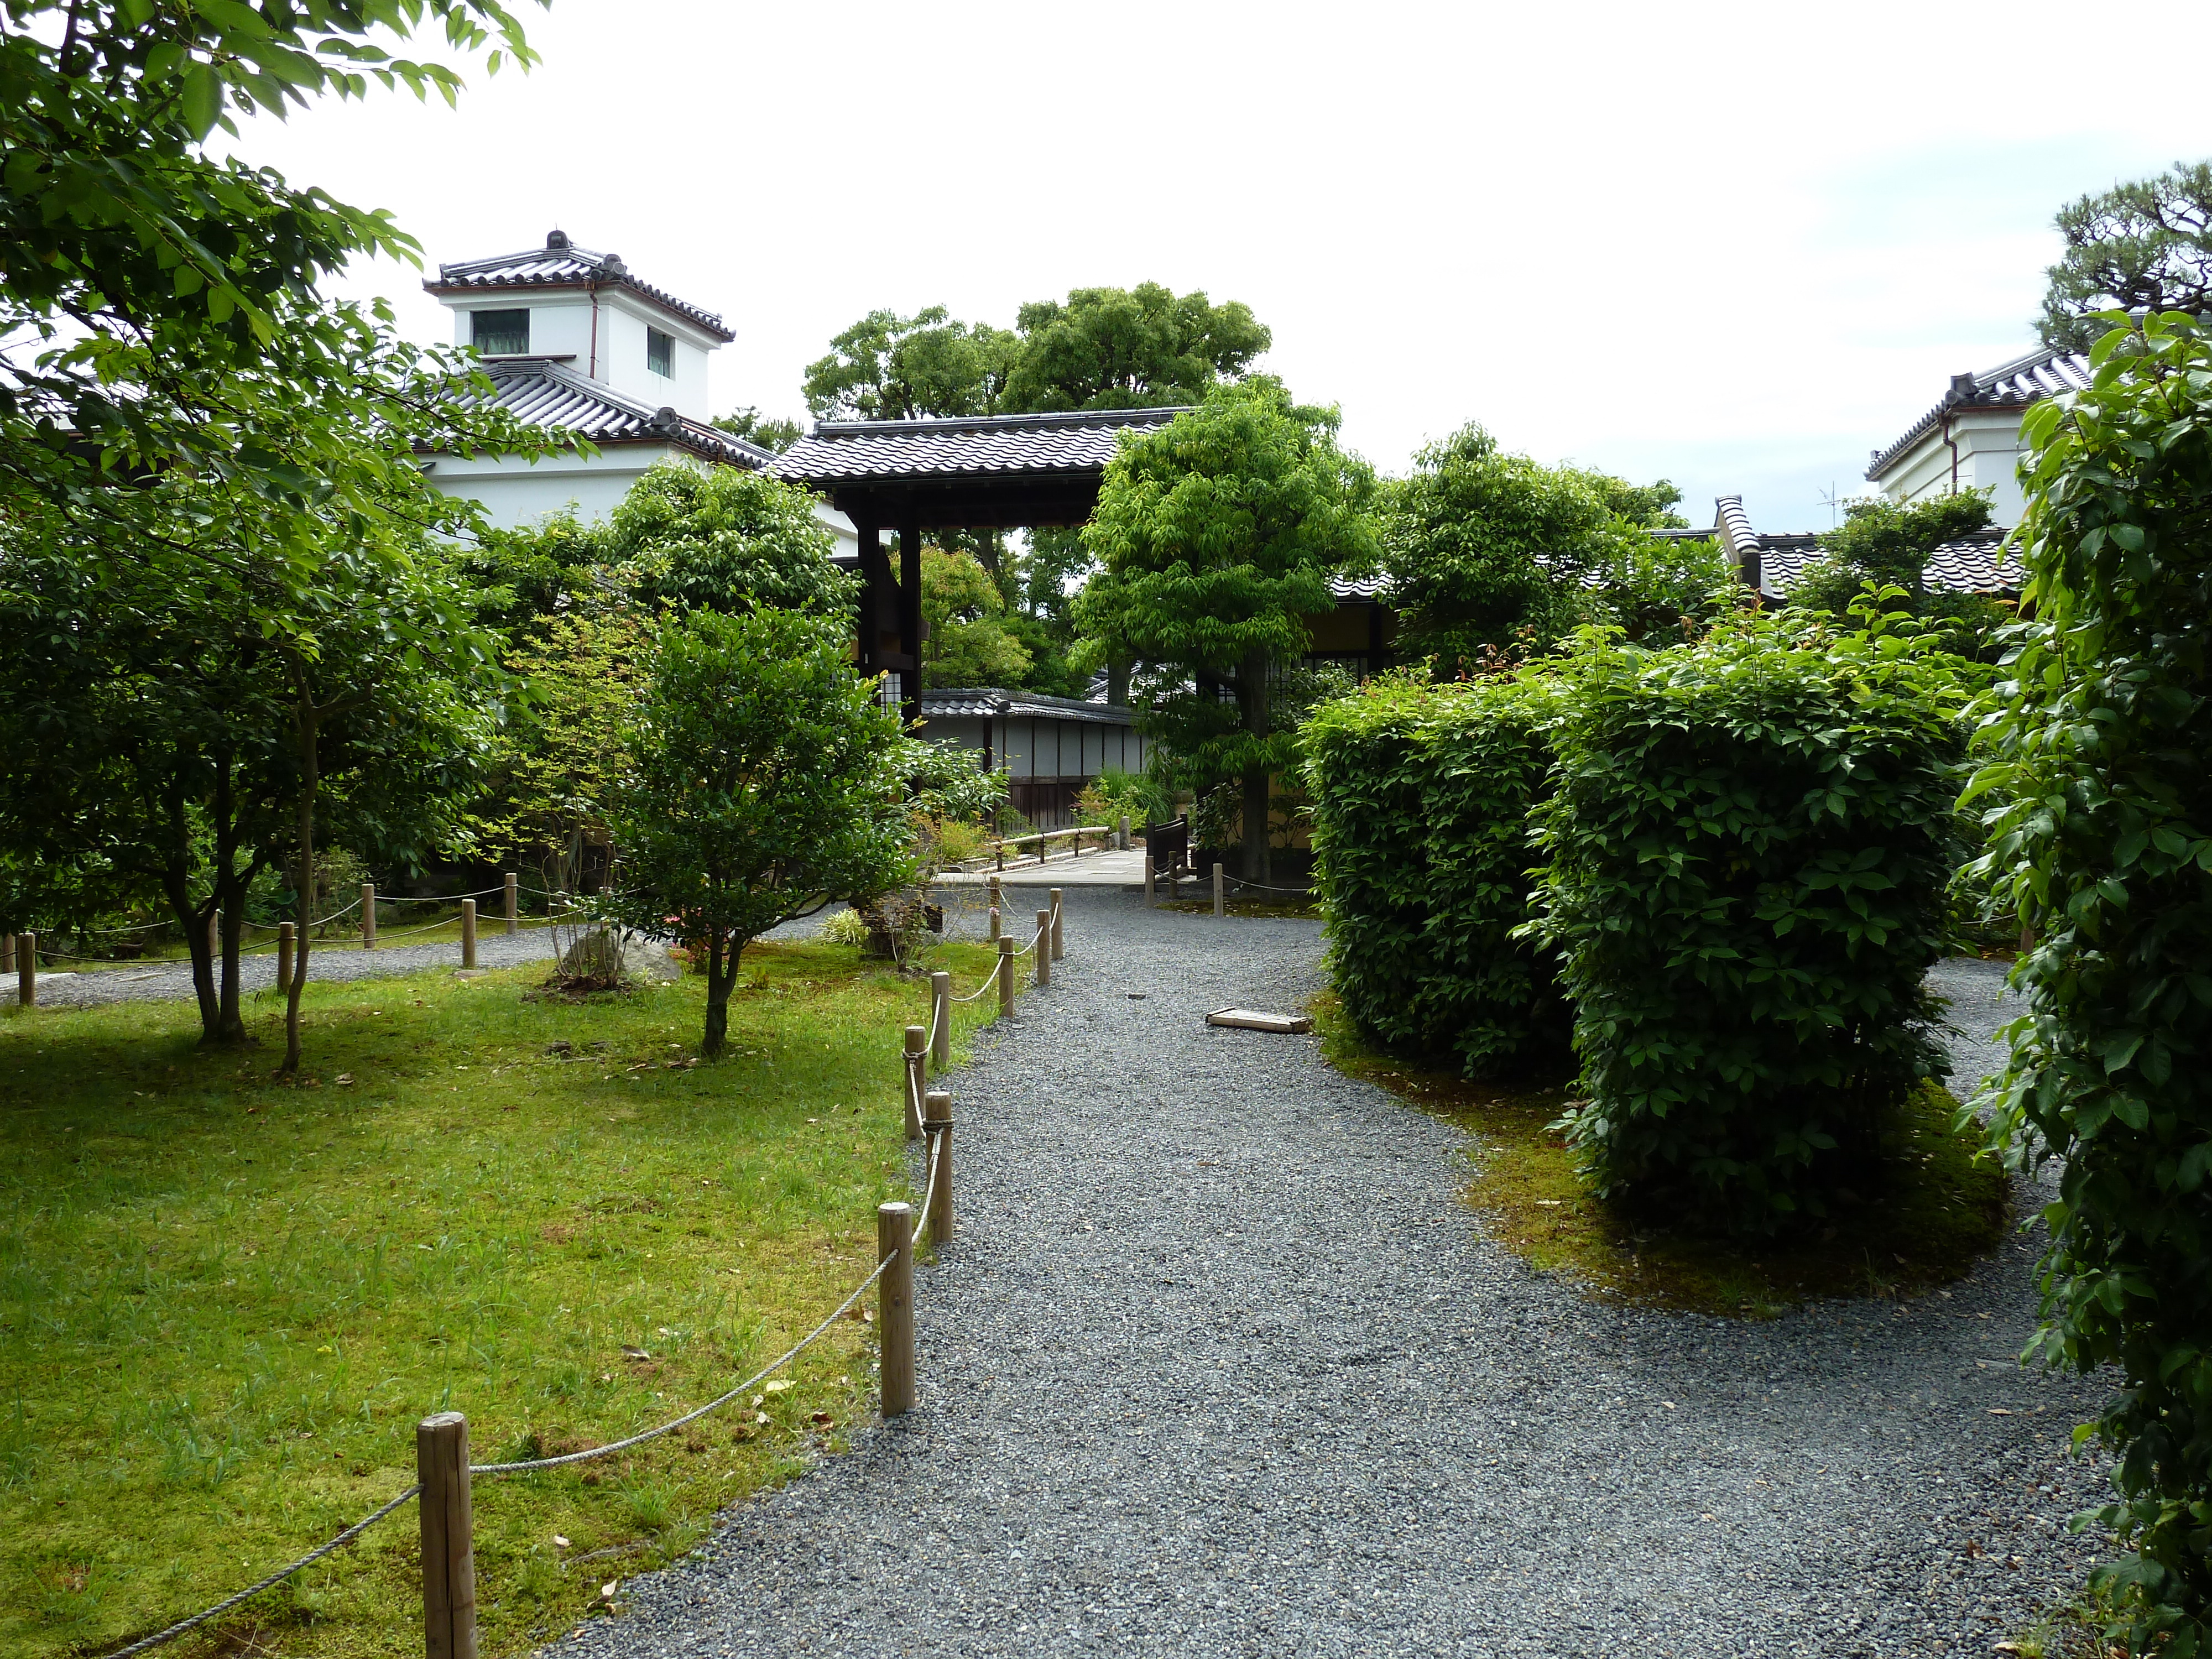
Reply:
x=1044, y=947
x=998, y=897
x=894, y=1305
x=1121, y=833
x=449, y=1568
x=1148, y=881
x=994, y=921
x=27, y=969
x=368, y=915
x=7, y=952
x=1057, y=952
x=513, y=905
x=1219, y=910
x=1006, y=977
x=917, y=1040
x=940, y=1019
x=468, y=933
x=285, y=938
x=938, y=1118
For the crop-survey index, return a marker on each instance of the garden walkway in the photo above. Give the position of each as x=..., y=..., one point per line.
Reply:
x=1218, y=1365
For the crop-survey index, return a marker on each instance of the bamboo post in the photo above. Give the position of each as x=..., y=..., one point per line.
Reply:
x=937, y=1120
x=27, y=969
x=468, y=933
x=894, y=1305
x=1005, y=977
x=513, y=905
x=368, y=915
x=449, y=1570
x=940, y=1019
x=1148, y=881
x=1217, y=910
x=916, y=1041
x=285, y=945
x=1057, y=952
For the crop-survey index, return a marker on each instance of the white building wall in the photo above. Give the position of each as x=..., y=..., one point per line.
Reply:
x=1988, y=445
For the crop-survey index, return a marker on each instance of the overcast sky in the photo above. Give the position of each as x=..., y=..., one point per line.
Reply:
x=1736, y=246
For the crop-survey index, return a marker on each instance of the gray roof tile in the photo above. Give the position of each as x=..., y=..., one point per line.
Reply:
x=2044, y=373
x=546, y=393
x=987, y=702
x=848, y=452
x=561, y=263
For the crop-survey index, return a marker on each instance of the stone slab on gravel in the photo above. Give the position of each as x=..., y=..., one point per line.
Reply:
x=1221, y=1364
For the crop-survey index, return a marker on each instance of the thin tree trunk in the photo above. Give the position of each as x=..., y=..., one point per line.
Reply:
x=308, y=723
x=230, y=908
x=721, y=972
x=1258, y=781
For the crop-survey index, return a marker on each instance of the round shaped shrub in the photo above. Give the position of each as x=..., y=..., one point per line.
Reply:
x=1748, y=850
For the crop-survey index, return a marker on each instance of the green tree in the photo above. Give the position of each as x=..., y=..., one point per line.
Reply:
x=1662, y=591
x=966, y=642
x=772, y=432
x=2097, y=790
x=526, y=578
x=725, y=539
x=763, y=782
x=1115, y=347
x=1888, y=544
x=890, y=368
x=1218, y=534
x=2141, y=246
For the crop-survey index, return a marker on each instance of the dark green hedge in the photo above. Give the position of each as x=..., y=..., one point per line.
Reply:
x=1748, y=851
x=1419, y=796
x=2098, y=791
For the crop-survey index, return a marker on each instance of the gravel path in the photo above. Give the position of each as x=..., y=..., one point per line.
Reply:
x=1219, y=1365
x=330, y=959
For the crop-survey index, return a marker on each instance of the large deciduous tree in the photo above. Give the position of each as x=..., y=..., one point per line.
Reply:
x=762, y=782
x=2145, y=245
x=726, y=539
x=1115, y=348
x=1218, y=534
x=965, y=641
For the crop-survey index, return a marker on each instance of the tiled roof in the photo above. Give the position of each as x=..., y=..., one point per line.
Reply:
x=989, y=702
x=1980, y=563
x=561, y=263
x=546, y=393
x=848, y=452
x=2041, y=374
x=1358, y=587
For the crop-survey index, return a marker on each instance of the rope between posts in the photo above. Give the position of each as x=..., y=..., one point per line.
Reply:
x=1304, y=892
x=988, y=983
x=276, y=1577
x=928, y=1189
x=449, y=898
x=1033, y=945
x=776, y=1364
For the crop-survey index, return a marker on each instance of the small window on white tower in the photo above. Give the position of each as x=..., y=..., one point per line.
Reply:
x=659, y=353
x=500, y=334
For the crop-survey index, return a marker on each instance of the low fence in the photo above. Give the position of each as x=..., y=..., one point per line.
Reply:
x=443, y=1473
x=1109, y=835
x=1222, y=884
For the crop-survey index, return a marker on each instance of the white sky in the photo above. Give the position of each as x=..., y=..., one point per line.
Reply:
x=1736, y=246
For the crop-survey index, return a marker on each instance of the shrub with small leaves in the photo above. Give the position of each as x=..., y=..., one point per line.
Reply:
x=1420, y=797
x=1748, y=848
x=2097, y=797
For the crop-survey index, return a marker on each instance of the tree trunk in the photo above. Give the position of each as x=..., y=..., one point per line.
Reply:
x=230, y=910
x=1117, y=681
x=722, y=952
x=1258, y=781
x=309, y=724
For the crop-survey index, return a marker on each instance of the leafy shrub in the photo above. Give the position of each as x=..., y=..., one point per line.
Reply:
x=845, y=926
x=2101, y=764
x=1664, y=592
x=1420, y=796
x=1115, y=790
x=1748, y=854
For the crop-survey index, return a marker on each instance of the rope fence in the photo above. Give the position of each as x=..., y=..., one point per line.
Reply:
x=441, y=1441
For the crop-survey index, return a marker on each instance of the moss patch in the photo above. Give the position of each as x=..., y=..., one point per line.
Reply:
x=1936, y=1212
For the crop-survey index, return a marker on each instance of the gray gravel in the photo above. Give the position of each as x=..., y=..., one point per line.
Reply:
x=1221, y=1364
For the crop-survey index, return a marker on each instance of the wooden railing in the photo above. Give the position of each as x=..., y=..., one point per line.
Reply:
x=1044, y=839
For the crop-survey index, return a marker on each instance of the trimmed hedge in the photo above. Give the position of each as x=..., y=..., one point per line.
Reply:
x=1420, y=797
x=1748, y=852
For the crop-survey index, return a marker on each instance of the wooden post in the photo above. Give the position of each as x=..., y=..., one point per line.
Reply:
x=1057, y=952
x=1148, y=881
x=1043, y=936
x=940, y=1019
x=994, y=921
x=894, y=1305
x=285, y=936
x=368, y=915
x=468, y=933
x=916, y=1041
x=215, y=939
x=938, y=1118
x=27, y=969
x=1005, y=977
x=1217, y=910
x=7, y=952
x=449, y=1568
x=513, y=905
x=998, y=900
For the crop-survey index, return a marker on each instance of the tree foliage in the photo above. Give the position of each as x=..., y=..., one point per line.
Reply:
x=966, y=642
x=2142, y=246
x=1218, y=534
x=1140, y=348
x=1747, y=858
x=2098, y=787
x=761, y=781
x=770, y=432
x=726, y=539
x=1889, y=543
x=890, y=368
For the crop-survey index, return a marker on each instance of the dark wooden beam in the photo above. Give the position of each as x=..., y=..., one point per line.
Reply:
x=909, y=614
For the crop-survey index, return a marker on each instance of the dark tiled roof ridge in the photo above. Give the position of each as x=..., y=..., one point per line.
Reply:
x=564, y=265
x=933, y=423
x=1004, y=695
x=2033, y=375
x=550, y=393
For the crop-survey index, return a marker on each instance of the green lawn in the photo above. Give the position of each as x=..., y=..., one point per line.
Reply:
x=224, y=1303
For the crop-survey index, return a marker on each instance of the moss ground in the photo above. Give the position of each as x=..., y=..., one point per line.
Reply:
x=224, y=1303
x=1936, y=1211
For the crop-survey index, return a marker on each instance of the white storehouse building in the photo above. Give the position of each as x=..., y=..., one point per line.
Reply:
x=572, y=338
x=1970, y=440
